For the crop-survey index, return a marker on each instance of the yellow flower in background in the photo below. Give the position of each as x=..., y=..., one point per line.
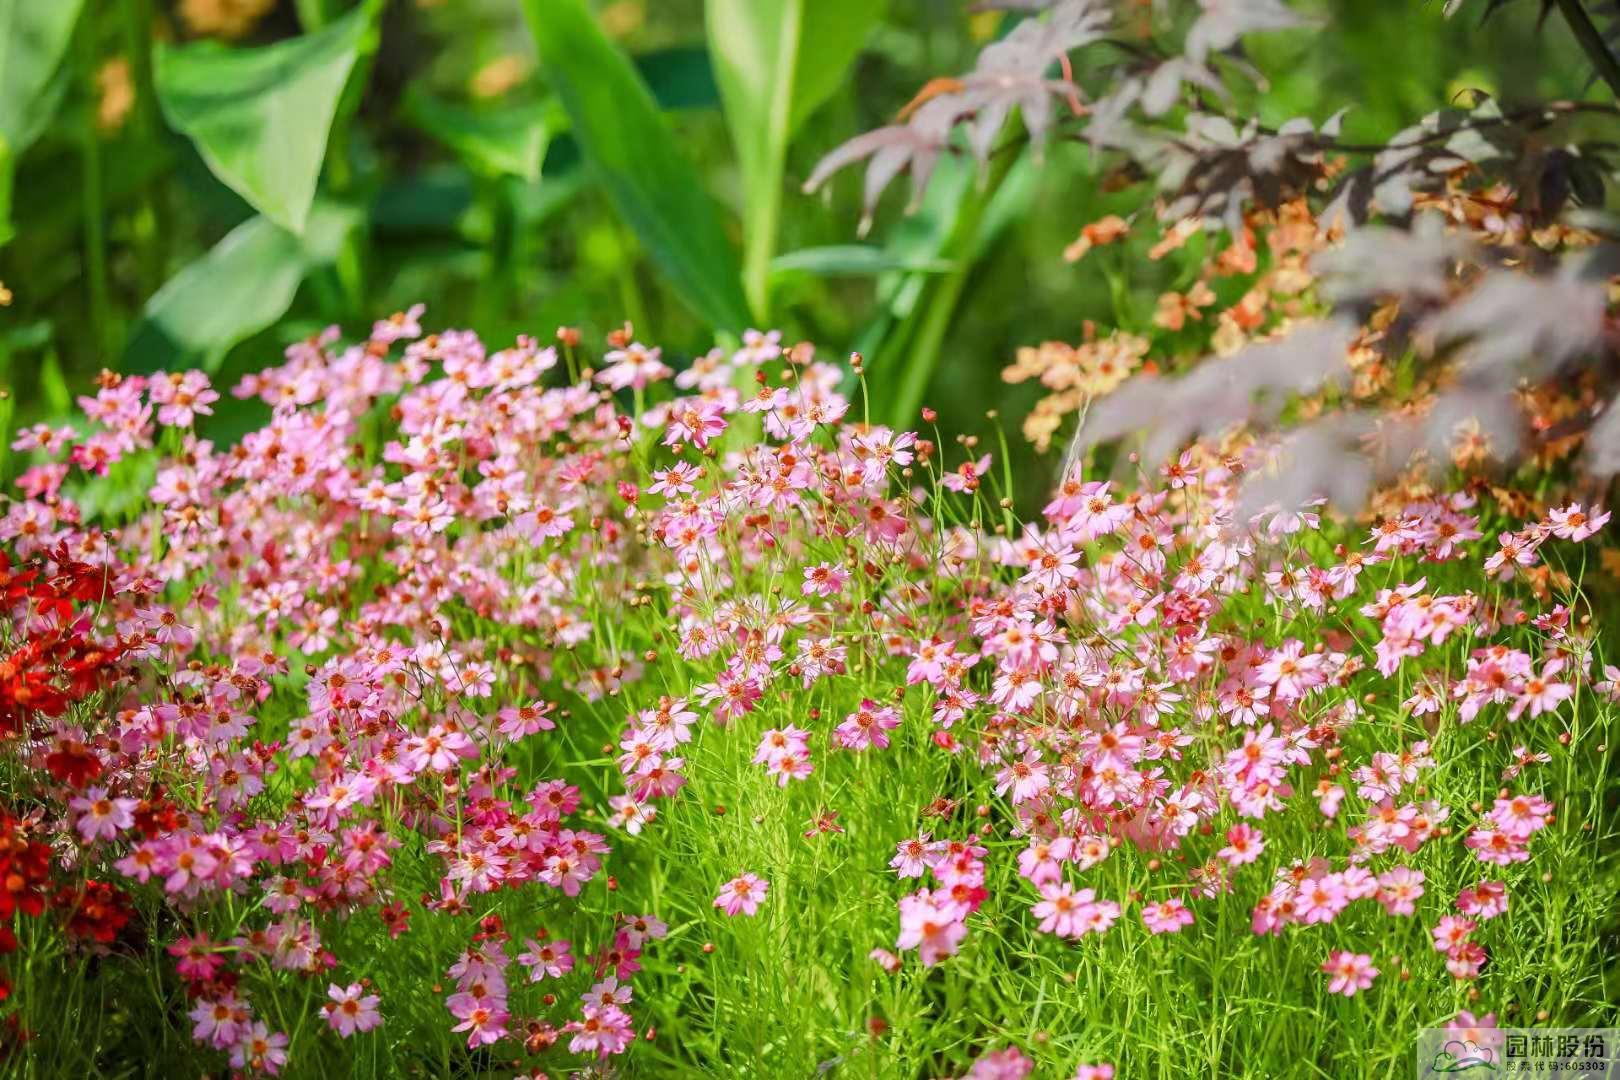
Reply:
x=117, y=92
x=622, y=18
x=498, y=76
x=228, y=19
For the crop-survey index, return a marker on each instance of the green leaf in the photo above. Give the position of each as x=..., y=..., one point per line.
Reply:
x=7, y=175
x=636, y=159
x=34, y=36
x=261, y=117
x=855, y=260
x=240, y=287
x=505, y=140
x=680, y=77
x=776, y=61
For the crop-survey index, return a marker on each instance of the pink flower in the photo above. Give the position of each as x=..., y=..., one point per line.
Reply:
x=1094, y=1072
x=182, y=396
x=1068, y=913
x=824, y=579
x=885, y=960
x=546, y=958
x=1542, y=693
x=1399, y=888
x=912, y=856
x=1465, y=960
x=1060, y=909
x=219, y=1022
x=1573, y=523
x=931, y=928
x=966, y=476
x=484, y=1025
x=1025, y=778
x=196, y=958
x=1480, y=1030
x=1321, y=899
x=101, y=817
x=1450, y=932
x=1005, y=1064
x=351, y=1010
x=1486, y=900
x=780, y=741
x=260, y=1050
x=1166, y=917
x=794, y=766
x=742, y=894
x=1350, y=972
x=1244, y=843
x=867, y=726
x=694, y=420
x=635, y=366
x=602, y=1029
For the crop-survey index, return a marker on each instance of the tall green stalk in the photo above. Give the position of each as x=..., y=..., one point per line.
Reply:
x=147, y=126
x=93, y=201
x=909, y=358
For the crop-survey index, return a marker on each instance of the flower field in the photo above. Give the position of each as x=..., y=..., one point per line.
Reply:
x=540, y=710
x=1136, y=604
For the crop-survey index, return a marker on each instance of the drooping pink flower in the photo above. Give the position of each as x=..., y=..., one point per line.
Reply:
x=934, y=929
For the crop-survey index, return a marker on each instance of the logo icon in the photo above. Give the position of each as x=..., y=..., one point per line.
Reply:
x=1463, y=1056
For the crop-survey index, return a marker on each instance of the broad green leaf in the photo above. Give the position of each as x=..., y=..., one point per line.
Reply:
x=261, y=117
x=776, y=61
x=34, y=36
x=855, y=260
x=680, y=77
x=635, y=157
x=504, y=140
x=831, y=37
x=240, y=287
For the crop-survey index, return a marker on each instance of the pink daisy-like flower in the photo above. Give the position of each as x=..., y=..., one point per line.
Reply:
x=1166, y=917
x=1350, y=973
x=742, y=895
x=351, y=1009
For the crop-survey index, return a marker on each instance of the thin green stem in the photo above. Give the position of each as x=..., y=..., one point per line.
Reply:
x=921, y=353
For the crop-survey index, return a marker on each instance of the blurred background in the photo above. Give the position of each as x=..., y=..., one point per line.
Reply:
x=197, y=183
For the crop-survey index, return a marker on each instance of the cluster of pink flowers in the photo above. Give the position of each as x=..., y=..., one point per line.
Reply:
x=1010, y=1063
x=422, y=604
x=934, y=921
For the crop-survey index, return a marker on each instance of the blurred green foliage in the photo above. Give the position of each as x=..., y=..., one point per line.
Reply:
x=200, y=182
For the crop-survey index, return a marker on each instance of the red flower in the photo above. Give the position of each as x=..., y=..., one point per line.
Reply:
x=72, y=763
x=25, y=867
x=98, y=910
